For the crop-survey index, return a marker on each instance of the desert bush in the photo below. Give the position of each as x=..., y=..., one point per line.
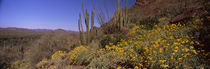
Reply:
x=58, y=55
x=106, y=60
x=110, y=29
x=20, y=65
x=149, y=22
x=106, y=39
x=79, y=55
x=113, y=38
x=164, y=46
x=13, y=47
x=10, y=54
x=49, y=44
x=95, y=45
x=118, y=37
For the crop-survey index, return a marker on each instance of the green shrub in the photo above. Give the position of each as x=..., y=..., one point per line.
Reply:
x=106, y=39
x=149, y=22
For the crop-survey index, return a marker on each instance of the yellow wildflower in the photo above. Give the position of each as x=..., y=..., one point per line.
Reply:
x=178, y=39
x=150, y=58
x=176, y=47
x=197, y=42
x=186, y=49
x=175, y=43
x=119, y=67
x=161, y=49
x=202, y=67
x=191, y=47
x=141, y=65
x=179, y=59
x=197, y=20
x=175, y=50
x=136, y=67
x=194, y=51
x=191, y=42
x=162, y=61
x=163, y=65
x=110, y=43
x=187, y=41
x=173, y=53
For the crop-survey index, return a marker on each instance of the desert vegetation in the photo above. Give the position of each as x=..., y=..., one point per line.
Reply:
x=169, y=35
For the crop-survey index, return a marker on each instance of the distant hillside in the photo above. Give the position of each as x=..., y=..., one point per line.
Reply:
x=12, y=32
x=173, y=8
x=14, y=29
x=176, y=9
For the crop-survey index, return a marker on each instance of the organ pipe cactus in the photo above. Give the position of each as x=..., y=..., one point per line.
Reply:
x=89, y=32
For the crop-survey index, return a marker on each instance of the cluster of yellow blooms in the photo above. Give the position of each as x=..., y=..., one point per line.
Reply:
x=58, y=55
x=165, y=46
x=19, y=64
x=75, y=55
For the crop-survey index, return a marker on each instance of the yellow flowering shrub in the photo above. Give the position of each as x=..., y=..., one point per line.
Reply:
x=79, y=55
x=164, y=46
x=19, y=65
x=58, y=55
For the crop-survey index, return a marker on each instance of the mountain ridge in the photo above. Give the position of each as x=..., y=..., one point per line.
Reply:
x=15, y=29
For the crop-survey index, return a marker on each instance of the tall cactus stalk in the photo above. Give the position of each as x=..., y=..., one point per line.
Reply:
x=83, y=10
x=87, y=27
x=121, y=17
x=80, y=34
x=118, y=5
x=118, y=18
x=126, y=14
x=92, y=23
x=81, y=31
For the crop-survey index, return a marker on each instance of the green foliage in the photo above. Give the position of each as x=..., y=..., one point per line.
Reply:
x=106, y=39
x=118, y=37
x=114, y=39
x=149, y=22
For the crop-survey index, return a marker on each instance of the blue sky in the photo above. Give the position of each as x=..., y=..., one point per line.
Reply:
x=48, y=14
